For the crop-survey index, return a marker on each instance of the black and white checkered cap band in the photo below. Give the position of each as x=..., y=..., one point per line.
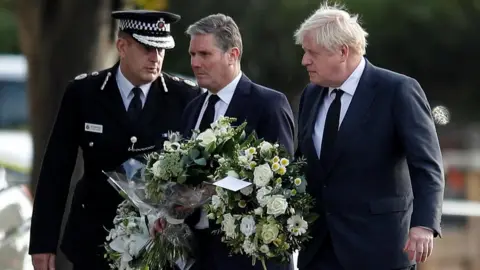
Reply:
x=152, y=27
x=155, y=35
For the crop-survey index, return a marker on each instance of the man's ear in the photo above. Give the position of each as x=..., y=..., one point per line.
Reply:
x=122, y=45
x=344, y=52
x=233, y=55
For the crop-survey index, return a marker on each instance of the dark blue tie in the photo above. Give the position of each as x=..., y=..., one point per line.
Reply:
x=330, y=129
x=135, y=107
x=209, y=114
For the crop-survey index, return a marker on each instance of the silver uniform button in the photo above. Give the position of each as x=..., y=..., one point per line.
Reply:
x=90, y=144
x=133, y=139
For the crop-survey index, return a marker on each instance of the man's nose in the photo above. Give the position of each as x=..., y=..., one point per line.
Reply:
x=154, y=54
x=306, y=60
x=194, y=61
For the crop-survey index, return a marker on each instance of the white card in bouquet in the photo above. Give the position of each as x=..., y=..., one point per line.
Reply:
x=232, y=183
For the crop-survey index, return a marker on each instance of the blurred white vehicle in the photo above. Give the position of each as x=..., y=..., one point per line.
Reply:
x=15, y=200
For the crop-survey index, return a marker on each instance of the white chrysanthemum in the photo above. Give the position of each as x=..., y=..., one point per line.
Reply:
x=217, y=203
x=228, y=226
x=248, y=247
x=285, y=162
x=297, y=181
x=297, y=225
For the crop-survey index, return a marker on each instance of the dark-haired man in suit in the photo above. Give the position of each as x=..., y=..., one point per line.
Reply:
x=215, y=51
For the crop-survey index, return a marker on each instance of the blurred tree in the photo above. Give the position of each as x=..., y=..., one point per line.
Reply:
x=8, y=28
x=60, y=40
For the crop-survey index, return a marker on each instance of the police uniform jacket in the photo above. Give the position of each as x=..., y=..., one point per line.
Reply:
x=92, y=116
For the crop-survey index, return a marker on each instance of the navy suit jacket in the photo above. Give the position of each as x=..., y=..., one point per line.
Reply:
x=383, y=177
x=269, y=114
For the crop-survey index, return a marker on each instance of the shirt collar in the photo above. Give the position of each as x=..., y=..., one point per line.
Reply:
x=350, y=85
x=226, y=93
x=126, y=86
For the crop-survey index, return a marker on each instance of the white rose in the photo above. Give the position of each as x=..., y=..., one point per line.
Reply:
x=277, y=205
x=247, y=226
x=269, y=233
x=262, y=197
x=262, y=175
x=264, y=249
x=206, y=138
x=233, y=174
x=265, y=149
x=247, y=190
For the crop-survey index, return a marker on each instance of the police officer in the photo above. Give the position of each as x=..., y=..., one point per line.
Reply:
x=111, y=115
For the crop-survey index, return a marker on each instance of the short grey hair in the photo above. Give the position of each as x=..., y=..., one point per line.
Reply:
x=222, y=27
x=333, y=26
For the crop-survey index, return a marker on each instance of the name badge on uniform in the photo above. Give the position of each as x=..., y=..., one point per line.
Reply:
x=89, y=127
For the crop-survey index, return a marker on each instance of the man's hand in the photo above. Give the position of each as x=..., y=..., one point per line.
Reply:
x=45, y=261
x=419, y=244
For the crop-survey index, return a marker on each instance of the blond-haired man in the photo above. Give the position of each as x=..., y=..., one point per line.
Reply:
x=371, y=147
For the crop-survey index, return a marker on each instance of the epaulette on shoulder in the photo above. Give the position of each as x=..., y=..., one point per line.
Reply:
x=95, y=75
x=85, y=75
x=179, y=80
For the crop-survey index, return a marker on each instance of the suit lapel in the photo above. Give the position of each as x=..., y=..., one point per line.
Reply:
x=112, y=100
x=238, y=106
x=362, y=99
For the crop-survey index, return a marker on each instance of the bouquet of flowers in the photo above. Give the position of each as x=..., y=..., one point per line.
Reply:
x=270, y=217
x=168, y=184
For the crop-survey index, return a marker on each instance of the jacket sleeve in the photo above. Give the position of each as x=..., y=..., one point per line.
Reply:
x=416, y=129
x=55, y=176
x=277, y=124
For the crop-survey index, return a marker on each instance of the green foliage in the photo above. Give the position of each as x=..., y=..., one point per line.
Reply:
x=433, y=41
x=8, y=28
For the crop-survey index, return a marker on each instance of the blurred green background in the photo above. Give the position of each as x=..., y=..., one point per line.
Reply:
x=434, y=41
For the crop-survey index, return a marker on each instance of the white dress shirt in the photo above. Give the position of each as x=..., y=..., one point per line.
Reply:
x=125, y=87
x=348, y=87
x=225, y=95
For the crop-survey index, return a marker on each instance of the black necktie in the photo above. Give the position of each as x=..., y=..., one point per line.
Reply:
x=330, y=129
x=135, y=106
x=209, y=114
